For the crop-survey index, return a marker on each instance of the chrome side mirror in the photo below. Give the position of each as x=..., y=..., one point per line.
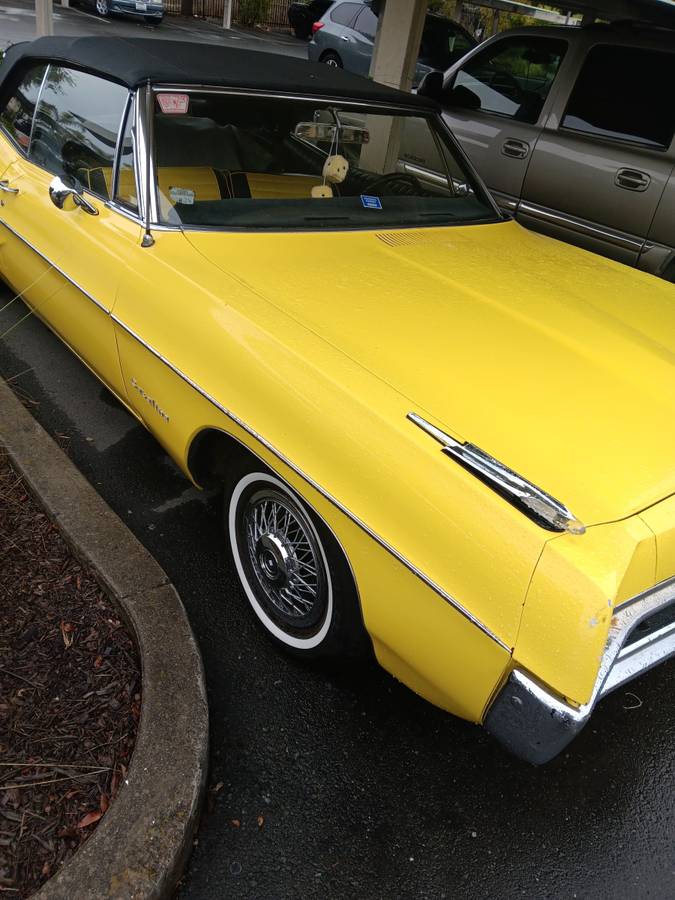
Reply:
x=63, y=196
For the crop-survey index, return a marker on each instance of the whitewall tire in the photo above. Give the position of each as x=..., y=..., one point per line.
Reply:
x=294, y=575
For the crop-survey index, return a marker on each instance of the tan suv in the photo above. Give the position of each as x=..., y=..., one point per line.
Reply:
x=572, y=130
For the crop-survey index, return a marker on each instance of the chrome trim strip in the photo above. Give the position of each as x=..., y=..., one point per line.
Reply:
x=532, y=500
x=55, y=267
x=280, y=95
x=317, y=487
x=618, y=238
x=536, y=725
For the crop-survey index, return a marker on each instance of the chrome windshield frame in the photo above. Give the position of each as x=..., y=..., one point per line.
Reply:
x=147, y=149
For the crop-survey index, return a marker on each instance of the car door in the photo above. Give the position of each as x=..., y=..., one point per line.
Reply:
x=603, y=161
x=496, y=104
x=360, y=42
x=658, y=254
x=74, y=137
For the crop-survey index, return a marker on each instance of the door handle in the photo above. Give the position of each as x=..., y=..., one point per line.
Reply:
x=632, y=180
x=4, y=186
x=63, y=196
x=515, y=149
x=343, y=38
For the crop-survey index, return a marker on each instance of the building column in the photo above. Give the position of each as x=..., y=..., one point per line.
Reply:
x=227, y=14
x=397, y=43
x=44, y=21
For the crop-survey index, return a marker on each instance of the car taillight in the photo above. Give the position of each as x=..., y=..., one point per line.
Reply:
x=317, y=26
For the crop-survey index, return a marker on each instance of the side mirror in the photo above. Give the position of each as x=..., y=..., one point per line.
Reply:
x=462, y=97
x=431, y=86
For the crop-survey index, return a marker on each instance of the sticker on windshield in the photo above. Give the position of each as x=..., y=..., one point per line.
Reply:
x=182, y=195
x=371, y=202
x=173, y=104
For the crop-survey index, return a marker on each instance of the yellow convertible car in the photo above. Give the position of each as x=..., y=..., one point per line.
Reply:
x=441, y=437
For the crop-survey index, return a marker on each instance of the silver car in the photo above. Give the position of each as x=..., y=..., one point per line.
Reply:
x=345, y=37
x=573, y=131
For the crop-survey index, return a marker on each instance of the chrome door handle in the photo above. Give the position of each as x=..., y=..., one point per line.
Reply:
x=63, y=196
x=4, y=186
x=343, y=38
x=515, y=149
x=632, y=180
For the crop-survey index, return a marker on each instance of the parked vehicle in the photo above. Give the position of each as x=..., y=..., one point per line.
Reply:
x=301, y=16
x=345, y=38
x=151, y=11
x=391, y=381
x=573, y=131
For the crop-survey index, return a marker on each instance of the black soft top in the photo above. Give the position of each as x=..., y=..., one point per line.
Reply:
x=132, y=61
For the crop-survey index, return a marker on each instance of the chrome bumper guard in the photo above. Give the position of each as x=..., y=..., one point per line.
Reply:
x=536, y=725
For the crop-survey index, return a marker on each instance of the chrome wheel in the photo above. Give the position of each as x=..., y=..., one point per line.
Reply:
x=281, y=561
x=284, y=556
x=102, y=7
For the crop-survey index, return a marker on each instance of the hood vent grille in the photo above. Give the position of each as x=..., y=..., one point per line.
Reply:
x=408, y=238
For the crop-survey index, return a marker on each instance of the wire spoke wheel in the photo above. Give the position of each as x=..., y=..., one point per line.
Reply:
x=281, y=561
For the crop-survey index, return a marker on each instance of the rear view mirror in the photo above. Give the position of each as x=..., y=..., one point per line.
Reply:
x=323, y=133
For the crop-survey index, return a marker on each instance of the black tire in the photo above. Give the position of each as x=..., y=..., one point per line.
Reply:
x=102, y=8
x=331, y=58
x=298, y=584
x=153, y=20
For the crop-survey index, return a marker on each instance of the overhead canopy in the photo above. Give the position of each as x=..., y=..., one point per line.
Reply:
x=660, y=12
x=133, y=61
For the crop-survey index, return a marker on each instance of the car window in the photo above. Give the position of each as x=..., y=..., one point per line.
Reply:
x=126, y=191
x=264, y=163
x=16, y=118
x=625, y=93
x=443, y=43
x=366, y=23
x=343, y=13
x=511, y=77
x=76, y=126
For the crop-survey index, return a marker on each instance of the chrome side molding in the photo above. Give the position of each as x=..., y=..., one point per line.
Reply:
x=539, y=506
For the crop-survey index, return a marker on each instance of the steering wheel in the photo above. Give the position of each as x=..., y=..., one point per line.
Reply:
x=408, y=184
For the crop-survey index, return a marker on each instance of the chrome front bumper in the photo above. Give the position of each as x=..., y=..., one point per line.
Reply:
x=536, y=725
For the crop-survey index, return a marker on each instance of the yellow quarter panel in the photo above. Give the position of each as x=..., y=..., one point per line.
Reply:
x=578, y=582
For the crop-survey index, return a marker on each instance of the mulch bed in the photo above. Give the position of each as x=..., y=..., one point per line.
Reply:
x=69, y=695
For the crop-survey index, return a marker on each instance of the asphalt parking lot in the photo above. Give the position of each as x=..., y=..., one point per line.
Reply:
x=17, y=23
x=349, y=785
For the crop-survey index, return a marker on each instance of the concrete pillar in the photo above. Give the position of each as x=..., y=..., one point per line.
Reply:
x=397, y=43
x=44, y=21
x=227, y=14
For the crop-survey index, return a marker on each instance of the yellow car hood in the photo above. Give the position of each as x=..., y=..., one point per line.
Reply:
x=557, y=362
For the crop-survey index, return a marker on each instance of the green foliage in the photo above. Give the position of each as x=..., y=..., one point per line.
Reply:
x=252, y=12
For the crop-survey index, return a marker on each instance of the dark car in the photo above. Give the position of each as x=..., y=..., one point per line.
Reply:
x=301, y=16
x=151, y=11
x=345, y=38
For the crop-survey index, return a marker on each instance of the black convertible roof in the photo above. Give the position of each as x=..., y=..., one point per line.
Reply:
x=133, y=61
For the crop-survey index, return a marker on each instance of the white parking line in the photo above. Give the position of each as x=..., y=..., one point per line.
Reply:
x=81, y=12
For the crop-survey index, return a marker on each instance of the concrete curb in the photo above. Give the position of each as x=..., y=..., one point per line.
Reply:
x=141, y=846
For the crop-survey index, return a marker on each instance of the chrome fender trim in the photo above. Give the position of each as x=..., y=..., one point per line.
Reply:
x=535, y=724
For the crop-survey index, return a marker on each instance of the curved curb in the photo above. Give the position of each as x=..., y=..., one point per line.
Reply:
x=141, y=845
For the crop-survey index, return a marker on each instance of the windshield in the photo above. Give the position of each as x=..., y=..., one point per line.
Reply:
x=228, y=161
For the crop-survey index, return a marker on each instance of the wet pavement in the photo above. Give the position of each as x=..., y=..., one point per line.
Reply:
x=341, y=786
